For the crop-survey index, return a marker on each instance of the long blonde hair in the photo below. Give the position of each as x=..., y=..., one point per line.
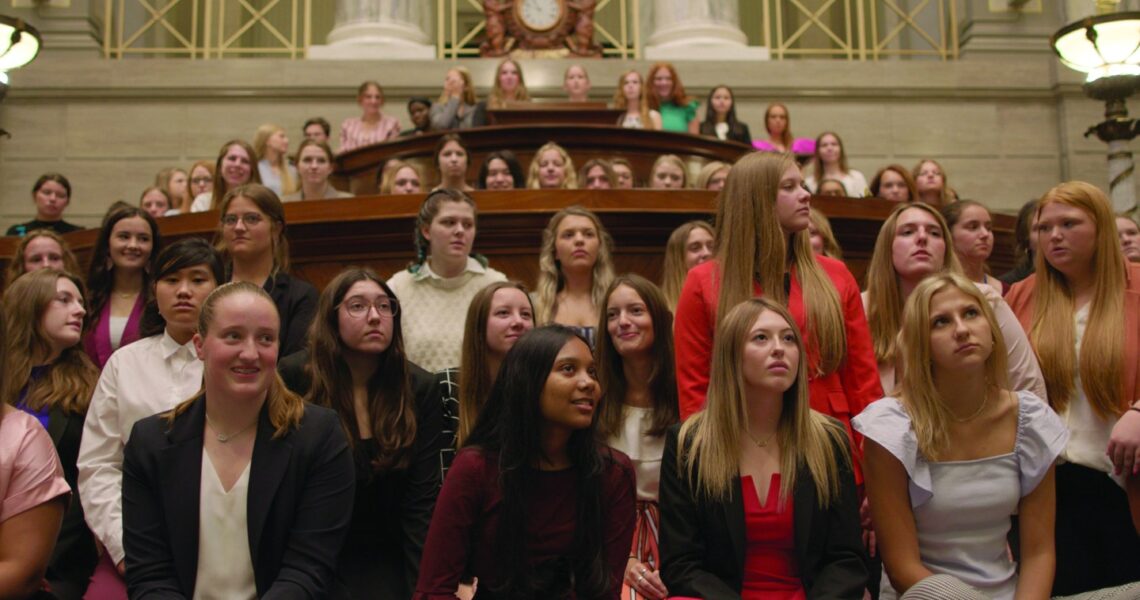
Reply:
x=569, y=182
x=711, y=438
x=550, y=280
x=281, y=167
x=496, y=99
x=751, y=246
x=885, y=301
x=1101, y=362
x=285, y=408
x=674, y=271
x=929, y=415
x=70, y=380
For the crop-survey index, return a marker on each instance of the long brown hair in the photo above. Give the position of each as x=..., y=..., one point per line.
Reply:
x=1052, y=332
x=885, y=301
x=711, y=438
x=911, y=187
x=475, y=376
x=786, y=139
x=391, y=403
x=71, y=378
x=496, y=99
x=674, y=271
x=220, y=186
x=550, y=280
x=928, y=413
x=751, y=246
x=662, y=379
x=270, y=205
x=620, y=101
x=285, y=408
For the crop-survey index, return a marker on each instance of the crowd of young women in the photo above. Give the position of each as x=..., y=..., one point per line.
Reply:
x=193, y=421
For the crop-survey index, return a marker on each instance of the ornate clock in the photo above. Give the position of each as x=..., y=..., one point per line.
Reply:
x=559, y=26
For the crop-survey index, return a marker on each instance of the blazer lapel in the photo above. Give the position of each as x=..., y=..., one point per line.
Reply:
x=267, y=468
x=180, y=471
x=57, y=425
x=804, y=505
x=734, y=522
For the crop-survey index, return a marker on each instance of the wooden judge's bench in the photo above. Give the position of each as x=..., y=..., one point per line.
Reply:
x=327, y=235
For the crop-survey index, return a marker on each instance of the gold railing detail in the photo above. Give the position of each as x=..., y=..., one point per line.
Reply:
x=860, y=29
x=213, y=29
x=624, y=42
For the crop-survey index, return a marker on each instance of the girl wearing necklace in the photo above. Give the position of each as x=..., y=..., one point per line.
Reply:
x=119, y=280
x=574, y=269
x=912, y=245
x=758, y=495
x=954, y=454
x=244, y=490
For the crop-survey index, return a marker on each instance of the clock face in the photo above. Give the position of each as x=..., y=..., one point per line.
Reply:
x=539, y=15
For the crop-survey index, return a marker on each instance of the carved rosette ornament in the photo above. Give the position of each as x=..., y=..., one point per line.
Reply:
x=554, y=26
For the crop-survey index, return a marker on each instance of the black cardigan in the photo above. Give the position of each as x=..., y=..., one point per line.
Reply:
x=299, y=502
x=703, y=541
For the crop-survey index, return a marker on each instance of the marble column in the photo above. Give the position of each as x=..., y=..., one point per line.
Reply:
x=697, y=30
x=378, y=29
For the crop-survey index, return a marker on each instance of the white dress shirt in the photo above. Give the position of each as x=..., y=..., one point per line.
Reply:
x=147, y=377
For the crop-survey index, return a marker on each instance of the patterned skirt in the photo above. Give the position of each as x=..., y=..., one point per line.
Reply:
x=645, y=535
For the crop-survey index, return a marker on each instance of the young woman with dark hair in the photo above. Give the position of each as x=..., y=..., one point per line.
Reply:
x=251, y=235
x=119, y=280
x=52, y=194
x=244, y=490
x=437, y=288
x=390, y=411
x=635, y=368
x=150, y=376
x=314, y=165
x=720, y=117
x=452, y=160
x=894, y=183
x=597, y=174
x=501, y=171
x=758, y=498
x=534, y=506
x=1024, y=244
x=49, y=377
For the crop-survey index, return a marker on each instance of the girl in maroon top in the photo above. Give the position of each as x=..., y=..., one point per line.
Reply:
x=533, y=506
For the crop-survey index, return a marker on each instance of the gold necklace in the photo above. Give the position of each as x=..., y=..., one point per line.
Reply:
x=760, y=444
x=985, y=401
x=223, y=438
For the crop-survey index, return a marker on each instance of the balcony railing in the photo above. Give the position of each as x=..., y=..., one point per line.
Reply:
x=839, y=29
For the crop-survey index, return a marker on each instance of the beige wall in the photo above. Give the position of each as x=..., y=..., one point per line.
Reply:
x=1005, y=128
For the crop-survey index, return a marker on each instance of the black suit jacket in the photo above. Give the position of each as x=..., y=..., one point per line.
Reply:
x=703, y=541
x=299, y=504
x=75, y=554
x=296, y=302
x=739, y=133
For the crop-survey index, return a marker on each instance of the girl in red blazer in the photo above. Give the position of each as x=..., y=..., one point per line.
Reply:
x=763, y=248
x=1081, y=310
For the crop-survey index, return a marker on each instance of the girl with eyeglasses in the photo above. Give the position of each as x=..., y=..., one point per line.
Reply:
x=390, y=410
x=251, y=235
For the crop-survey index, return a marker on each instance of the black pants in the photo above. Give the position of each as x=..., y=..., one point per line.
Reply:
x=1097, y=545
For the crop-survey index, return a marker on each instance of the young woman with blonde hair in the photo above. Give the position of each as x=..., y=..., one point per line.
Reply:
x=930, y=183
x=575, y=266
x=912, y=245
x=669, y=172
x=48, y=376
x=552, y=168
x=509, y=85
x=955, y=454
x=390, y=411
x=763, y=248
x=758, y=498
x=822, y=238
x=712, y=176
x=176, y=183
x=399, y=177
x=635, y=368
x=277, y=172
x=1081, y=310
x=41, y=249
x=457, y=105
x=632, y=97
x=243, y=490
x=689, y=245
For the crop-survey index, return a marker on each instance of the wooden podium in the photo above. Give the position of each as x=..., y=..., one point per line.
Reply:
x=554, y=113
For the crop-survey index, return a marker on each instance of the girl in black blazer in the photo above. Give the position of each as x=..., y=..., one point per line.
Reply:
x=758, y=439
x=720, y=110
x=244, y=490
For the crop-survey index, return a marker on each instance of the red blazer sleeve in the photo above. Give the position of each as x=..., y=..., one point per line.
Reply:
x=859, y=371
x=693, y=327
